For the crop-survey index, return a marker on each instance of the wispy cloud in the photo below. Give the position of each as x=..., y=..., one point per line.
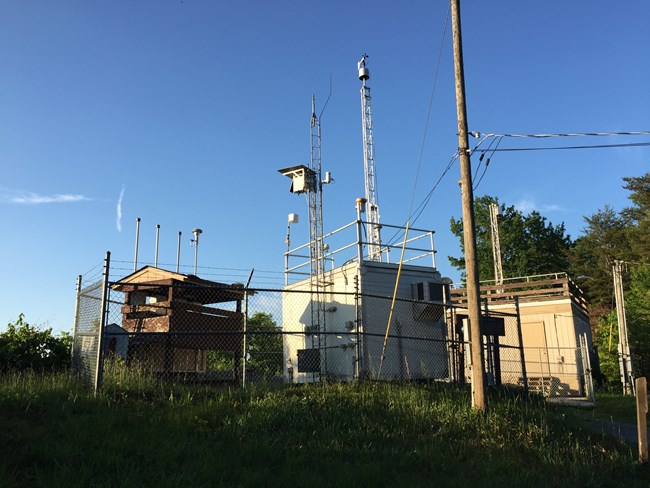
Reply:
x=30, y=198
x=118, y=220
x=526, y=206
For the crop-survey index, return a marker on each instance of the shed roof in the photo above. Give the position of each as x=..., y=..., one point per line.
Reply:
x=189, y=287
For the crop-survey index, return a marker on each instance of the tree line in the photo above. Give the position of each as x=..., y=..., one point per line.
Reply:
x=531, y=245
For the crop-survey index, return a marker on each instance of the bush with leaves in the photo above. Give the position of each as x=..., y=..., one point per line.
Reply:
x=27, y=347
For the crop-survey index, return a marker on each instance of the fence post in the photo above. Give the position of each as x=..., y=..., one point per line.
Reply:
x=586, y=360
x=76, y=319
x=99, y=367
x=524, y=376
x=357, y=323
x=641, y=421
x=245, y=341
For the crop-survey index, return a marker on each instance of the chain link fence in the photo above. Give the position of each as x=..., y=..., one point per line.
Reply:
x=167, y=327
x=86, y=337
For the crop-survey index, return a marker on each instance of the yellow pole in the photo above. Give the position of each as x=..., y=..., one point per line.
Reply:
x=392, y=304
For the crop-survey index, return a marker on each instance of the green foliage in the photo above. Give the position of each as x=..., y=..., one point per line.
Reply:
x=637, y=304
x=604, y=241
x=529, y=245
x=638, y=215
x=264, y=345
x=611, y=236
x=26, y=347
x=605, y=337
x=220, y=361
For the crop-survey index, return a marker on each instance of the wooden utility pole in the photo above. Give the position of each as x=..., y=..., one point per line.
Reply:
x=479, y=397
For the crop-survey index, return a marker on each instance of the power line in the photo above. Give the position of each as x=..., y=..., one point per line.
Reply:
x=420, y=208
x=577, y=134
x=426, y=125
x=559, y=148
x=487, y=162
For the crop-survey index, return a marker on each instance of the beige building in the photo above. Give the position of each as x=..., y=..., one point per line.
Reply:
x=555, y=332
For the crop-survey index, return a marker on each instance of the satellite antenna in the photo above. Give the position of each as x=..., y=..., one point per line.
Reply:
x=197, y=232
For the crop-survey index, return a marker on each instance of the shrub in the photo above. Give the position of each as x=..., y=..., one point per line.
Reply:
x=26, y=347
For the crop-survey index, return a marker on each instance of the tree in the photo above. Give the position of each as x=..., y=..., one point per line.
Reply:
x=637, y=305
x=605, y=240
x=24, y=347
x=264, y=344
x=638, y=215
x=529, y=244
x=623, y=236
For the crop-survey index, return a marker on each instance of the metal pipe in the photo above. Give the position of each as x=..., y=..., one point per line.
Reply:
x=137, y=241
x=197, y=232
x=155, y=259
x=245, y=342
x=178, y=252
x=433, y=251
x=361, y=207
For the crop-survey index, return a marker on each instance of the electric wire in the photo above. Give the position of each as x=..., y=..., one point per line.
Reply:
x=417, y=173
x=425, y=201
x=580, y=134
x=557, y=148
x=480, y=159
x=487, y=163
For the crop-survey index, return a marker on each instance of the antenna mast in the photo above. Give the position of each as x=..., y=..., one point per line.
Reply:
x=496, y=244
x=316, y=201
x=374, y=239
x=316, y=249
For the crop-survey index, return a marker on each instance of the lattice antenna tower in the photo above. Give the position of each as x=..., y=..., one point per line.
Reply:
x=496, y=244
x=316, y=246
x=315, y=198
x=372, y=212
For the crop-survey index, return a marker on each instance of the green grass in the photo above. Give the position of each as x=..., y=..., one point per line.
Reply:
x=615, y=407
x=144, y=434
x=609, y=407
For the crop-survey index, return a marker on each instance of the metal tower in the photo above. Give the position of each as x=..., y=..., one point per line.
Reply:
x=496, y=244
x=308, y=180
x=624, y=357
x=315, y=198
x=316, y=248
x=374, y=239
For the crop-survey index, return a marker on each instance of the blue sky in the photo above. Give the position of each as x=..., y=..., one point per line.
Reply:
x=188, y=108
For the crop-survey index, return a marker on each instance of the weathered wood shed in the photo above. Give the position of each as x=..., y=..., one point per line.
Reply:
x=173, y=320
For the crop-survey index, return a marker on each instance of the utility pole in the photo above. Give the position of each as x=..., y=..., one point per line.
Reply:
x=479, y=396
x=624, y=358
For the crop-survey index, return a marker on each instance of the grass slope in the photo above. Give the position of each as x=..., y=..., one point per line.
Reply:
x=56, y=434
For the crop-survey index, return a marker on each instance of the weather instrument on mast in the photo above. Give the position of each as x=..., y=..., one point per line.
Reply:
x=372, y=213
x=308, y=180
